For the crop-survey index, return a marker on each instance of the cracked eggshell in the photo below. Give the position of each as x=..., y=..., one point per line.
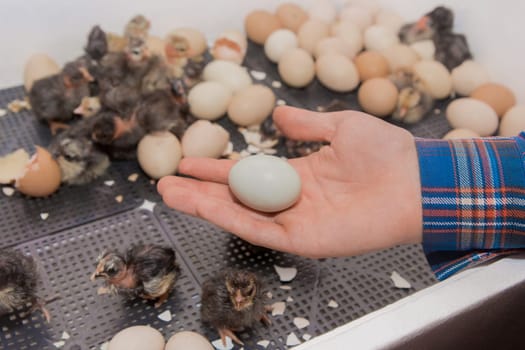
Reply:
x=159, y=154
x=291, y=16
x=472, y=114
x=209, y=100
x=196, y=39
x=311, y=32
x=297, y=67
x=259, y=24
x=38, y=66
x=187, y=340
x=278, y=43
x=230, y=45
x=204, y=139
x=228, y=73
x=137, y=338
x=436, y=78
x=337, y=72
x=468, y=76
x=251, y=105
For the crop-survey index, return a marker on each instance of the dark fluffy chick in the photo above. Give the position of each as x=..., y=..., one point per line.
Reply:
x=18, y=283
x=232, y=301
x=146, y=270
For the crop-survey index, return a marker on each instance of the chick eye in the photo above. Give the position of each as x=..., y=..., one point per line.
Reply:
x=111, y=271
x=136, y=51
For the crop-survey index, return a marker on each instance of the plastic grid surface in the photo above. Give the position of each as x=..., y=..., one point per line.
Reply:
x=85, y=219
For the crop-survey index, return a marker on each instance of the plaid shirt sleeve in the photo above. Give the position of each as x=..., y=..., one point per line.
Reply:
x=473, y=198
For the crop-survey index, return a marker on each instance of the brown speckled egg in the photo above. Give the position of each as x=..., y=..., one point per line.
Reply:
x=378, y=96
x=499, y=97
x=291, y=16
x=259, y=24
x=371, y=64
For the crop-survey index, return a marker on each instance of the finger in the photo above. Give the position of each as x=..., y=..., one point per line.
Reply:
x=205, y=187
x=301, y=124
x=207, y=169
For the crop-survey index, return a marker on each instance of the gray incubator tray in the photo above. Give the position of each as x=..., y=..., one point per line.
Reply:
x=83, y=220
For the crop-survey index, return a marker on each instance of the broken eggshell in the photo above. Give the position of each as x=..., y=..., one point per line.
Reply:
x=39, y=66
x=38, y=176
x=204, y=139
x=231, y=46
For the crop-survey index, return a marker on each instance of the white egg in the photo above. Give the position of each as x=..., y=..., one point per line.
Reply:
x=324, y=10
x=265, y=183
x=209, y=100
x=297, y=68
x=460, y=133
x=390, y=19
x=513, y=121
x=468, y=76
x=436, y=78
x=469, y=113
x=351, y=34
x=278, y=42
x=228, y=73
x=188, y=341
x=359, y=15
x=378, y=38
x=337, y=72
x=425, y=49
x=159, y=154
x=137, y=338
x=204, y=139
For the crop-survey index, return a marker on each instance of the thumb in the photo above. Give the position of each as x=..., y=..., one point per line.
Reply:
x=302, y=124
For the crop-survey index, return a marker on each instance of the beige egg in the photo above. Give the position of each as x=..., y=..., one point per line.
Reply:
x=513, y=122
x=468, y=76
x=278, y=42
x=251, y=105
x=159, y=154
x=435, y=77
x=39, y=66
x=425, y=49
x=351, y=34
x=230, y=45
x=196, y=39
x=469, y=113
x=296, y=67
x=498, y=96
x=156, y=45
x=460, y=134
x=137, y=338
x=291, y=16
x=333, y=44
x=378, y=96
x=209, y=100
x=371, y=64
x=390, y=19
x=311, y=32
x=188, y=341
x=400, y=57
x=259, y=24
x=378, y=38
x=204, y=139
x=228, y=73
x=358, y=15
x=324, y=10
x=337, y=72
x=372, y=6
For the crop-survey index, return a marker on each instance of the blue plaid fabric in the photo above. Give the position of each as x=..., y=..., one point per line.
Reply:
x=473, y=198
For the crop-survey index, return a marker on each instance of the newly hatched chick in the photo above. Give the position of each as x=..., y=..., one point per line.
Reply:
x=233, y=300
x=137, y=27
x=97, y=44
x=89, y=106
x=414, y=101
x=18, y=283
x=80, y=160
x=146, y=271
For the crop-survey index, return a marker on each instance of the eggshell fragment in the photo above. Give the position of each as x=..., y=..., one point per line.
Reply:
x=209, y=100
x=278, y=308
x=278, y=43
x=38, y=66
x=468, y=76
x=259, y=24
x=301, y=322
x=296, y=67
x=378, y=96
x=13, y=165
x=251, y=105
x=159, y=154
x=311, y=32
x=513, y=122
x=291, y=16
x=137, y=338
x=371, y=64
x=435, y=77
x=498, y=96
x=472, y=114
x=377, y=37
x=204, y=139
x=399, y=281
x=230, y=45
x=228, y=73
x=265, y=183
x=460, y=133
x=286, y=274
x=196, y=39
x=186, y=340
x=292, y=340
x=337, y=72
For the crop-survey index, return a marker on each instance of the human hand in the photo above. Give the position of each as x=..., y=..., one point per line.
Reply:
x=360, y=193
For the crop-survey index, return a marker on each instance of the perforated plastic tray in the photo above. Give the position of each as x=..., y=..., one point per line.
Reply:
x=85, y=219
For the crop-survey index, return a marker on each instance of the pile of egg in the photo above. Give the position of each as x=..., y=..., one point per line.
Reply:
x=357, y=47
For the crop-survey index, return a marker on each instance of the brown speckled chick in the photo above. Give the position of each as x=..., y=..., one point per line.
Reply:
x=147, y=271
x=18, y=283
x=233, y=300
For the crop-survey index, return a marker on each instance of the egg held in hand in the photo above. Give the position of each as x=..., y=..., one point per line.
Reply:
x=265, y=183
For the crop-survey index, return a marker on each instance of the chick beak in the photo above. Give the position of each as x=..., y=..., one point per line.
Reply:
x=94, y=276
x=422, y=24
x=79, y=110
x=403, y=111
x=86, y=74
